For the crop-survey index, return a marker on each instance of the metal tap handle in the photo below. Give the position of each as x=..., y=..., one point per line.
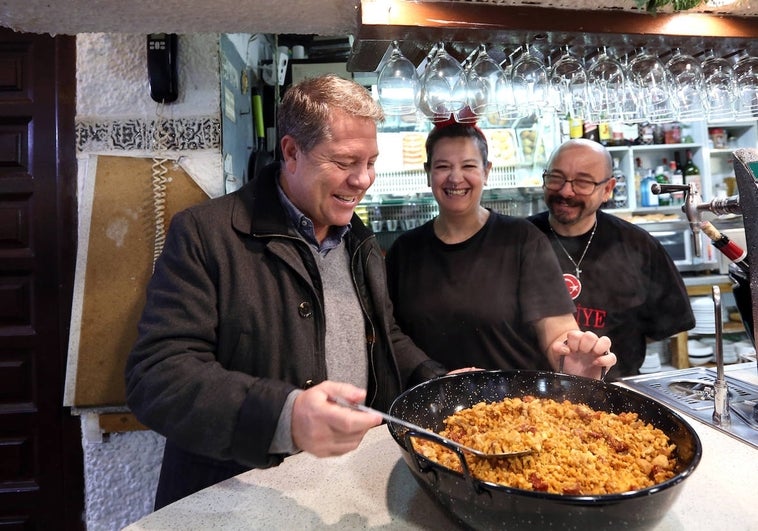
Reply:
x=657, y=188
x=718, y=325
x=691, y=201
x=722, y=205
x=721, y=415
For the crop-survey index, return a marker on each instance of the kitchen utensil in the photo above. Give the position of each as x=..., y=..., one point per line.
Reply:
x=418, y=430
x=483, y=505
x=260, y=157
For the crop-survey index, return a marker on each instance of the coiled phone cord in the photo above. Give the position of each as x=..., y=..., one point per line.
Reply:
x=161, y=137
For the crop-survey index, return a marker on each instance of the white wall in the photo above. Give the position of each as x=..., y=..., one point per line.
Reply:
x=114, y=111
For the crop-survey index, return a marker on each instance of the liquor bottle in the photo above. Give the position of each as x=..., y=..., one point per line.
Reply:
x=576, y=127
x=664, y=199
x=692, y=173
x=565, y=127
x=677, y=177
x=591, y=131
x=648, y=198
x=638, y=180
x=619, y=190
x=604, y=132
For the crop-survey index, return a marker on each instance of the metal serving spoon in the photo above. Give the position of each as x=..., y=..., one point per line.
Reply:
x=433, y=435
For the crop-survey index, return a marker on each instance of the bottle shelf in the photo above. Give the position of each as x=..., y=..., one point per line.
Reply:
x=525, y=173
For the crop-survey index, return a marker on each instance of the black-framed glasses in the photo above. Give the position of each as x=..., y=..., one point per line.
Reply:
x=556, y=182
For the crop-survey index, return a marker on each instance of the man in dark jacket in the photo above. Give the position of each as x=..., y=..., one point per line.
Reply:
x=267, y=303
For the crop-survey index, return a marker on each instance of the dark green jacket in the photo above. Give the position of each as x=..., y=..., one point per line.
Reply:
x=234, y=321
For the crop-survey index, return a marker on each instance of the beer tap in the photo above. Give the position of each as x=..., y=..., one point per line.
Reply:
x=694, y=205
x=691, y=208
x=745, y=289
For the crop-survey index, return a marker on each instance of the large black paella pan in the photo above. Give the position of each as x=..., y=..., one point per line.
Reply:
x=483, y=505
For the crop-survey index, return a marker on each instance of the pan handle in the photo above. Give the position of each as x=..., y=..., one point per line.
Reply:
x=476, y=489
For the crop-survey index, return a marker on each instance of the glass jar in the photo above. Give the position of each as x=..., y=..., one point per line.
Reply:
x=718, y=136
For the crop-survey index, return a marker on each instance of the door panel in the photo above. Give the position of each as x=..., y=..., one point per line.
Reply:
x=41, y=472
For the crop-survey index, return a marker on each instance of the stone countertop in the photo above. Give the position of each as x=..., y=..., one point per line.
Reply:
x=372, y=487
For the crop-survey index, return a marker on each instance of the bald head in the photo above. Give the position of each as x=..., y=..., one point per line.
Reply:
x=582, y=147
x=578, y=161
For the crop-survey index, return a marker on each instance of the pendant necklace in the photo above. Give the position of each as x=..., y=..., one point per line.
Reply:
x=576, y=264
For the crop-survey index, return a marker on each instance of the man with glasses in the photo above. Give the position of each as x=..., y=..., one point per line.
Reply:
x=623, y=283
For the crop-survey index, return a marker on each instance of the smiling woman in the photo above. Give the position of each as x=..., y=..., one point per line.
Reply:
x=474, y=287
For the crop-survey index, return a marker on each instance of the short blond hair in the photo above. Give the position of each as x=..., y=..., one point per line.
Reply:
x=307, y=106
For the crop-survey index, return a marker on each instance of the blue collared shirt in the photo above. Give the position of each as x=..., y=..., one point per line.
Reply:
x=304, y=226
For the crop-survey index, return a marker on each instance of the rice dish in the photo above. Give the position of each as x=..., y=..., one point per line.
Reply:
x=578, y=450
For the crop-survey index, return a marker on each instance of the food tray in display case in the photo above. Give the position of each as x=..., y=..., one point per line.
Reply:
x=400, y=151
x=399, y=183
x=503, y=147
x=532, y=146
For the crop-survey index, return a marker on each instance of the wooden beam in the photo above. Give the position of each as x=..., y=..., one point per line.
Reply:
x=464, y=20
x=463, y=25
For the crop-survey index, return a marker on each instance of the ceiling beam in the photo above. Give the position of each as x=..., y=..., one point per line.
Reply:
x=417, y=24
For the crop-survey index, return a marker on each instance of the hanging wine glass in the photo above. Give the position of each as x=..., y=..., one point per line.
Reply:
x=687, y=87
x=653, y=87
x=607, y=84
x=507, y=108
x=632, y=110
x=720, y=90
x=529, y=81
x=398, y=84
x=468, y=85
x=443, y=89
x=568, y=84
x=746, y=84
x=482, y=83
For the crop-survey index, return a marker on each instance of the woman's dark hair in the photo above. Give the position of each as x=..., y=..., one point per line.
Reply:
x=456, y=130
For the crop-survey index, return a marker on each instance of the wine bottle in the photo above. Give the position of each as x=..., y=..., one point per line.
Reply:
x=664, y=199
x=728, y=248
x=677, y=177
x=638, y=180
x=692, y=173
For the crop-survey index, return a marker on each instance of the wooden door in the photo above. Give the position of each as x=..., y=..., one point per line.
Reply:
x=41, y=471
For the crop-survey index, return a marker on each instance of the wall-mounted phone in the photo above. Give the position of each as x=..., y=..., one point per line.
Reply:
x=161, y=67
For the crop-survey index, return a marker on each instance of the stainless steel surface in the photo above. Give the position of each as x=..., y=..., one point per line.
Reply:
x=434, y=436
x=692, y=392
